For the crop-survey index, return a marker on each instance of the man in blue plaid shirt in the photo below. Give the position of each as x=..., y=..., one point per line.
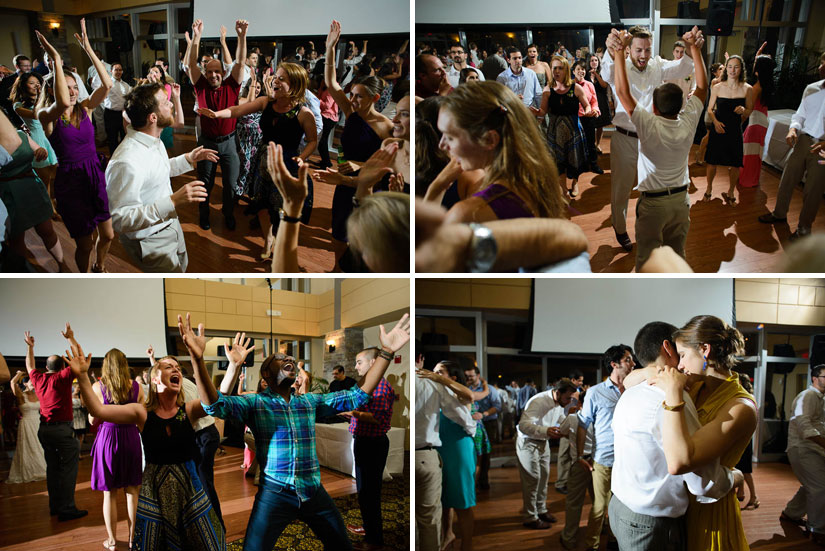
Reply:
x=284, y=428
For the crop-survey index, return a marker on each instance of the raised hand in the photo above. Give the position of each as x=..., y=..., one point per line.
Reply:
x=175, y=90
x=223, y=33
x=68, y=333
x=188, y=39
x=237, y=350
x=53, y=54
x=28, y=339
x=197, y=29
x=202, y=154
x=77, y=362
x=83, y=38
x=689, y=38
x=150, y=353
x=334, y=34
x=195, y=343
x=397, y=183
x=293, y=190
x=398, y=337
x=241, y=26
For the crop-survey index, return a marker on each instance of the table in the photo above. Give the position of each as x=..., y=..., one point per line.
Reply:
x=334, y=445
x=777, y=150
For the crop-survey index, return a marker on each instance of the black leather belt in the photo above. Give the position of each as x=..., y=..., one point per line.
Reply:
x=668, y=191
x=621, y=130
x=425, y=448
x=220, y=139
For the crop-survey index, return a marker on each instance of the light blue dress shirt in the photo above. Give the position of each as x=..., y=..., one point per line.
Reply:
x=491, y=400
x=599, y=403
x=525, y=84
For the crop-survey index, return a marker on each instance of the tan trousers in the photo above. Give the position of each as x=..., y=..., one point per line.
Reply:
x=161, y=252
x=601, y=499
x=534, y=468
x=563, y=462
x=661, y=221
x=800, y=162
x=578, y=482
x=624, y=154
x=427, y=500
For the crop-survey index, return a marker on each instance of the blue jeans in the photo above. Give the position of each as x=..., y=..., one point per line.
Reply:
x=276, y=506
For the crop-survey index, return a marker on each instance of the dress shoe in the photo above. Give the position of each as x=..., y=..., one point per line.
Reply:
x=771, y=219
x=798, y=234
x=624, y=241
x=561, y=489
x=547, y=517
x=785, y=518
x=230, y=222
x=596, y=169
x=203, y=221
x=71, y=515
x=537, y=524
x=357, y=530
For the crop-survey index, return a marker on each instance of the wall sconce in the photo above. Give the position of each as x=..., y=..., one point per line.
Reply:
x=331, y=346
x=55, y=27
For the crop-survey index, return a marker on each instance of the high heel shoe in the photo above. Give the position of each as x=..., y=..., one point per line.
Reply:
x=752, y=504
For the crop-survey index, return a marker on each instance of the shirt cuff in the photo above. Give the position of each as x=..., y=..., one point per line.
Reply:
x=796, y=126
x=213, y=408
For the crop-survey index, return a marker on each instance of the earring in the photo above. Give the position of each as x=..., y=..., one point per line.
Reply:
x=705, y=365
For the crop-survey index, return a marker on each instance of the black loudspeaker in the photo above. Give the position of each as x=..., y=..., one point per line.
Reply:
x=720, y=17
x=122, y=37
x=817, y=350
x=687, y=10
x=157, y=45
x=786, y=351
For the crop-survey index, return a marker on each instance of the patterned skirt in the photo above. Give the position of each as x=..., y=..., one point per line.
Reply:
x=265, y=196
x=174, y=513
x=248, y=131
x=481, y=439
x=567, y=144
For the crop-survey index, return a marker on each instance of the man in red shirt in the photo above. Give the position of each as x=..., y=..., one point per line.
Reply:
x=216, y=93
x=54, y=390
x=369, y=425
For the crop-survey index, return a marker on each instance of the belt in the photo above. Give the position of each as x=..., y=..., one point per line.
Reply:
x=220, y=139
x=424, y=449
x=44, y=422
x=668, y=191
x=621, y=130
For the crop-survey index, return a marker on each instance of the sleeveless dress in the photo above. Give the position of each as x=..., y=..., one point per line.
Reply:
x=22, y=192
x=718, y=526
x=726, y=149
x=604, y=117
x=285, y=130
x=458, y=488
x=174, y=511
x=753, y=142
x=29, y=463
x=39, y=138
x=116, y=461
x=564, y=133
x=80, y=184
x=504, y=202
x=358, y=141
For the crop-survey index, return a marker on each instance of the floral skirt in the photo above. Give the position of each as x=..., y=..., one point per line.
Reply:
x=567, y=144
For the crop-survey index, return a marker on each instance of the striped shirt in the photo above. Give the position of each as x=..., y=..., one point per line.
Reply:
x=380, y=405
x=285, y=432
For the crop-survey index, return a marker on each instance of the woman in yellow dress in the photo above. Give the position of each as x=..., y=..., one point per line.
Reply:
x=708, y=346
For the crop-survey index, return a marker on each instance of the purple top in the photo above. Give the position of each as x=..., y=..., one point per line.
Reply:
x=504, y=202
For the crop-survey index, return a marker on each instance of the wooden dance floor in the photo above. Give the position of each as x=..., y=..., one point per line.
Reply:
x=25, y=524
x=217, y=249
x=498, y=516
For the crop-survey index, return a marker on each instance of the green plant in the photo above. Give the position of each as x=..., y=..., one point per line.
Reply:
x=794, y=76
x=319, y=385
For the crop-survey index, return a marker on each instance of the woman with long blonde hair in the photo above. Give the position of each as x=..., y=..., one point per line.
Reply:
x=116, y=455
x=486, y=126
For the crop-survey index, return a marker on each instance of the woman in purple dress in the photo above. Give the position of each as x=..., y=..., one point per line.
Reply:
x=80, y=184
x=116, y=452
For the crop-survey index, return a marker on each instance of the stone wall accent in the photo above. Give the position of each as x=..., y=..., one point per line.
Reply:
x=348, y=343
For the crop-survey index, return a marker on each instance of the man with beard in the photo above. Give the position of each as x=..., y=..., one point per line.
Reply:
x=140, y=191
x=459, y=57
x=284, y=428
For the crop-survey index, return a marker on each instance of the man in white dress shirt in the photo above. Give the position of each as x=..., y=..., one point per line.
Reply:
x=113, y=107
x=91, y=75
x=807, y=137
x=649, y=503
x=140, y=191
x=806, y=452
x=430, y=399
x=540, y=421
x=645, y=72
x=665, y=137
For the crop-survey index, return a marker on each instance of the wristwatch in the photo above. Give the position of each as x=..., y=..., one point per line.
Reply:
x=483, y=249
x=285, y=218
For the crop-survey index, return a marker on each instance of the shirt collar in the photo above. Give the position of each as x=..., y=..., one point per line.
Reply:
x=142, y=137
x=512, y=74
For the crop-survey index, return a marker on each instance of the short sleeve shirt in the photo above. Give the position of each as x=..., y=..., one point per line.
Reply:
x=223, y=97
x=54, y=390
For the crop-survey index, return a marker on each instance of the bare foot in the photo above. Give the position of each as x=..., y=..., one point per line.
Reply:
x=448, y=541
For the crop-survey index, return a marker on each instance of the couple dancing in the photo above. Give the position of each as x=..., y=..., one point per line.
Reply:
x=680, y=427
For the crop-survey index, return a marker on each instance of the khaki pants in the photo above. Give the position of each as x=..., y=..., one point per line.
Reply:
x=601, y=499
x=578, y=482
x=534, y=468
x=661, y=221
x=800, y=162
x=161, y=252
x=563, y=462
x=624, y=153
x=427, y=500
x=808, y=466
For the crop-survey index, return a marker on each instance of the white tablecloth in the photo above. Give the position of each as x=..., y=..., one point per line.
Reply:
x=777, y=150
x=333, y=443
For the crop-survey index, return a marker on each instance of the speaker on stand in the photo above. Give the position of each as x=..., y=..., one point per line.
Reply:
x=687, y=10
x=720, y=17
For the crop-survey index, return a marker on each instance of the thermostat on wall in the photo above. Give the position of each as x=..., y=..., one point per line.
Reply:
x=273, y=313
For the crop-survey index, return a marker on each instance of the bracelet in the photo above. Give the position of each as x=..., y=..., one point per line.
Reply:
x=677, y=407
x=386, y=355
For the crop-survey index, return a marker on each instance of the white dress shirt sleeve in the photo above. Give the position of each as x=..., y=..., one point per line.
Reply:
x=536, y=409
x=455, y=411
x=607, y=68
x=129, y=214
x=807, y=409
x=798, y=118
x=179, y=165
x=677, y=68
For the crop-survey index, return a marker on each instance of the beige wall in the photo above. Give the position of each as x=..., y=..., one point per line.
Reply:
x=493, y=293
x=370, y=301
x=786, y=301
x=14, y=24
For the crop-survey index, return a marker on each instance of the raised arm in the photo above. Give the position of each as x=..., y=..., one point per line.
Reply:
x=194, y=70
x=15, y=387
x=235, y=111
x=100, y=93
x=29, y=352
x=294, y=191
x=622, y=85
x=241, y=26
x=330, y=77
x=61, y=89
x=68, y=334
x=5, y=375
x=124, y=414
x=236, y=352
x=701, y=90
x=390, y=343
x=464, y=394
x=227, y=55
x=196, y=343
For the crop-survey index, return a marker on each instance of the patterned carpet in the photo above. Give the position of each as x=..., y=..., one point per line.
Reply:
x=395, y=510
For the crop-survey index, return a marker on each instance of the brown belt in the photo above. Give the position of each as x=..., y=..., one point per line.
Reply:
x=29, y=174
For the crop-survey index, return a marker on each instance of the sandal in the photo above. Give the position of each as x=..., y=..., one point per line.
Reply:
x=574, y=191
x=110, y=546
x=96, y=269
x=707, y=198
x=729, y=199
x=754, y=504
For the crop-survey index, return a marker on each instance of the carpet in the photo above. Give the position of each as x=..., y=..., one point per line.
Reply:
x=395, y=511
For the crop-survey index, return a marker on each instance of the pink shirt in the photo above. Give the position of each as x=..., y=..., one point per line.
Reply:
x=590, y=94
x=328, y=108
